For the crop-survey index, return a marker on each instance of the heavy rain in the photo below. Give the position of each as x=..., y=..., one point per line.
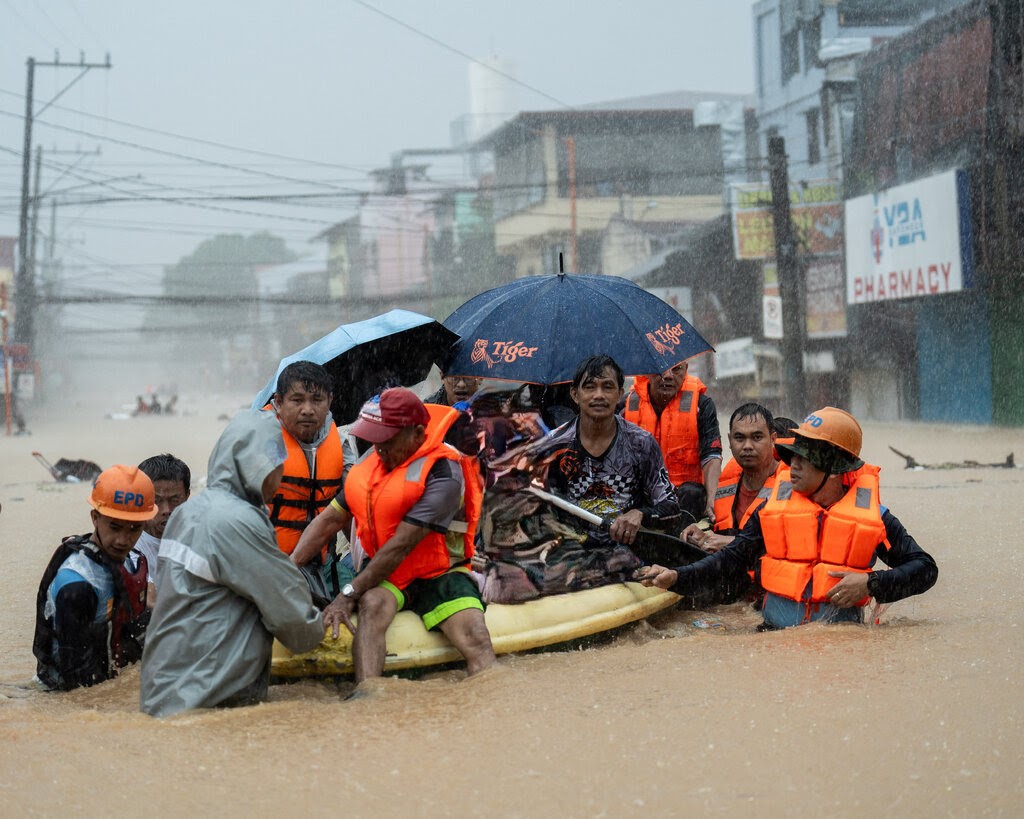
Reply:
x=814, y=204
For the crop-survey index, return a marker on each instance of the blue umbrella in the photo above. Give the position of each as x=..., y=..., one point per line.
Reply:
x=400, y=346
x=539, y=328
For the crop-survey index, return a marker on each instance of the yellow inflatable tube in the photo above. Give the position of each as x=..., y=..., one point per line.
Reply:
x=544, y=621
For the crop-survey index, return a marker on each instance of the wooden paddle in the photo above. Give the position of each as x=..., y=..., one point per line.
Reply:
x=650, y=546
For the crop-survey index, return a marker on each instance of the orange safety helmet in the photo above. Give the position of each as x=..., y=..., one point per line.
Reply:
x=125, y=493
x=829, y=438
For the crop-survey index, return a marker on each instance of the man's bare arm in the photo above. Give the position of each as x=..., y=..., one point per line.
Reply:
x=712, y=470
x=321, y=529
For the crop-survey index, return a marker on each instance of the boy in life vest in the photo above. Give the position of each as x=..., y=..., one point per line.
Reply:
x=817, y=537
x=90, y=609
x=404, y=497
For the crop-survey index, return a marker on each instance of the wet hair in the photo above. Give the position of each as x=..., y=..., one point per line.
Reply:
x=167, y=468
x=390, y=380
x=783, y=426
x=594, y=366
x=752, y=410
x=311, y=376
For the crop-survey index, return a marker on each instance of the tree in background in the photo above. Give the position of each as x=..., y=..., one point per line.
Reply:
x=214, y=310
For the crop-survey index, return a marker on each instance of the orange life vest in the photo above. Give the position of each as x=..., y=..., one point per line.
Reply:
x=379, y=500
x=729, y=487
x=675, y=428
x=303, y=496
x=804, y=541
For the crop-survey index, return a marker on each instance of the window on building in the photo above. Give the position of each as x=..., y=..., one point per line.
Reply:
x=812, y=43
x=790, y=54
x=789, y=38
x=813, y=136
x=767, y=45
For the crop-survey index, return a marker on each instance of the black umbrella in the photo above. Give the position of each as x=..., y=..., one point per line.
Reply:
x=399, y=346
x=539, y=328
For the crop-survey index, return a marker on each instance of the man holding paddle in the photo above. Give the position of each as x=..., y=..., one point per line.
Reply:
x=607, y=465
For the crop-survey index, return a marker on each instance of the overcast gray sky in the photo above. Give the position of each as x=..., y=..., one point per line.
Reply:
x=325, y=90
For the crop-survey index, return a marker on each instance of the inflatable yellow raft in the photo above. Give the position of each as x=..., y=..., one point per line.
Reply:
x=545, y=621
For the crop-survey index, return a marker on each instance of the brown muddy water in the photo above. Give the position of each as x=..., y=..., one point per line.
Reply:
x=918, y=716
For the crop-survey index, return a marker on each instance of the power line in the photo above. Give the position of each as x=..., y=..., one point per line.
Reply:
x=176, y=155
x=459, y=52
x=201, y=141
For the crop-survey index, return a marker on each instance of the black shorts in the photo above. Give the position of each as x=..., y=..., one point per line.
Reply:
x=435, y=599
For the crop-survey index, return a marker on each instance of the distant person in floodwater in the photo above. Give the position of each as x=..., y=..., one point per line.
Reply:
x=16, y=416
x=817, y=537
x=90, y=608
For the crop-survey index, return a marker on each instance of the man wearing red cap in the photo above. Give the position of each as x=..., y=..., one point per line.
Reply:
x=404, y=496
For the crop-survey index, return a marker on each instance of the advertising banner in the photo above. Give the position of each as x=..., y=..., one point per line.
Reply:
x=771, y=302
x=735, y=357
x=910, y=240
x=826, y=302
x=815, y=208
x=825, y=314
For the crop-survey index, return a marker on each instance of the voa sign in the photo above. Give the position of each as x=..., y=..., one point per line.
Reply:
x=911, y=240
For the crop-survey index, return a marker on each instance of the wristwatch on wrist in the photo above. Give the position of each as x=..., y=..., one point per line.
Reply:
x=349, y=591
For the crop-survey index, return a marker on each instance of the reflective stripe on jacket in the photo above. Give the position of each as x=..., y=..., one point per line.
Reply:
x=804, y=541
x=675, y=429
x=379, y=500
x=302, y=497
x=725, y=496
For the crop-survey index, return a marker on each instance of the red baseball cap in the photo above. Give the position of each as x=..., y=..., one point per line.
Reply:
x=380, y=421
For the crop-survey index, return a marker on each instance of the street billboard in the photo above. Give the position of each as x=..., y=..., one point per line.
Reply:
x=910, y=240
x=815, y=208
x=826, y=305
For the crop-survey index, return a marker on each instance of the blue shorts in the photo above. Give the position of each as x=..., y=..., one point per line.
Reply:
x=779, y=612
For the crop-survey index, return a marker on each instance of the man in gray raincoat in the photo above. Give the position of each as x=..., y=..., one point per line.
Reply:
x=225, y=590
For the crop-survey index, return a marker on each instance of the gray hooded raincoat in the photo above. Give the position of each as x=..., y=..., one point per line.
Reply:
x=225, y=590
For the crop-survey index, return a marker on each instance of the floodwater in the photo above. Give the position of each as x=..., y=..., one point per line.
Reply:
x=918, y=716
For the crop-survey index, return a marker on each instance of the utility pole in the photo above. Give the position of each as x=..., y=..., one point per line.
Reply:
x=790, y=284
x=34, y=227
x=24, y=280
